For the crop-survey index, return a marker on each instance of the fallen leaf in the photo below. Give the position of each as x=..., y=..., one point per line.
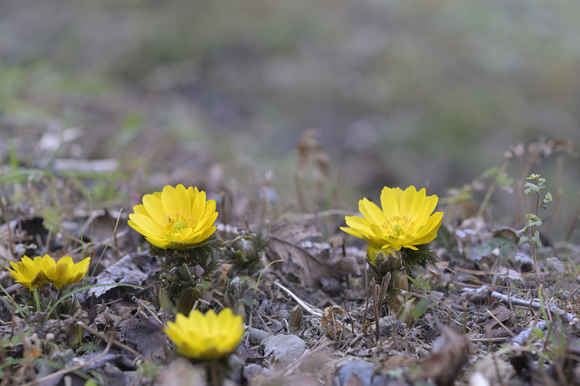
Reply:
x=309, y=260
x=502, y=313
x=447, y=358
x=131, y=269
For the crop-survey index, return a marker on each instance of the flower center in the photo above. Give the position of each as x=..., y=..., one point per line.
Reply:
x=177, y=222
x=178, y=225
x=398, y=226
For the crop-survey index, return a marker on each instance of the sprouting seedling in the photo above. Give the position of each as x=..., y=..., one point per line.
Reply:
x=530, y=234
x=261, y=273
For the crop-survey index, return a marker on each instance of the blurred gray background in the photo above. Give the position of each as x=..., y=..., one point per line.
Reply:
x=400, y=92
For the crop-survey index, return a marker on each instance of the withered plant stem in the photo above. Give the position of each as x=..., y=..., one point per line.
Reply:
x=507, y=283
x=300, y=192
x=48, y=237
x=533, y=233
x=490, y=190
x=493, y=357
x=573, y=285
x=7, y=221
x=149, y=310
x=340, y=177
x=500, y=323
x=379, y=293
x=557, y=212
x=213, y=372
x=115, y=239
x=574, y=220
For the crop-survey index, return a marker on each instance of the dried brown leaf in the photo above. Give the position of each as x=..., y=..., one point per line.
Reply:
x=502, y=313
x=308, y=260
x=448, y=357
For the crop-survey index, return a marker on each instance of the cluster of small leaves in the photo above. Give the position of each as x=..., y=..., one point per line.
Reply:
x=529, y=234
x=204, y=256
x=422, y=257
x=183, y=271
x=245, y=250
x=48, y=296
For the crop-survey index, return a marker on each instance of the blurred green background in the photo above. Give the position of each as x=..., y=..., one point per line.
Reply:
x=400, y=92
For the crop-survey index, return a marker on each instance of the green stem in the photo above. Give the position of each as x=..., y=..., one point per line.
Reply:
x=261, y=273
x=490, y=191
x=533, y=234
x=36, y=300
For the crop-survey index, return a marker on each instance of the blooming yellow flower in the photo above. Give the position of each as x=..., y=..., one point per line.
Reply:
x=176, y=218
x=65, y=271
x=34, y=273
x=208, y=337
x=404, y=222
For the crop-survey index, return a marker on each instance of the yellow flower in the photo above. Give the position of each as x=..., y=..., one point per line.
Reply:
x=176, y=218
x=208, y=337
x=66, y=272
x=404, y=222
x=34, y=273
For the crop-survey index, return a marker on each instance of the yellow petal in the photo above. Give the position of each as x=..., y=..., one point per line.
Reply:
x=417, y=204
x=145, y=222
x=389, y=202
x=371, y=211
x=183, y=199
x=169, y=200
x=428, y=207
x=407, y=200
x=154, y=208
x=198, y=205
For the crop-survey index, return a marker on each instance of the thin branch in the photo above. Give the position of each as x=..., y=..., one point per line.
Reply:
x=308, y=308
x=104, y=337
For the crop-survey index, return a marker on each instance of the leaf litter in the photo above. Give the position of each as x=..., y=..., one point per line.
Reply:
x=472, y=318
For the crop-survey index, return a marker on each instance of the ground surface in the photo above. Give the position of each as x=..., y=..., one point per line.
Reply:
x=102, y=102
x=473, y=316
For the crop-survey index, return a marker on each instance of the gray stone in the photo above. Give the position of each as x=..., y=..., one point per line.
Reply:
x=386, y=326
x=362, y=370
x=283, y=348
x=257, y=336
x=253, y=369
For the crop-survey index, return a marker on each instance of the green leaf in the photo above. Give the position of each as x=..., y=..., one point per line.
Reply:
x=420, y=308
x=507, y=251
x=479, y=252
x=529, y=186
x=535, y=241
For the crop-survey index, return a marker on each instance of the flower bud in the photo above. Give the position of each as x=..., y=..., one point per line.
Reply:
x=244, y=250
x=295, y=319
x=183, y=273
x=383, y=261
x=239, y=309
x=405, y=313
x=390, y=263
x=396, y=300
x=400, y=281
x=187, y=299
x=165, y=301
